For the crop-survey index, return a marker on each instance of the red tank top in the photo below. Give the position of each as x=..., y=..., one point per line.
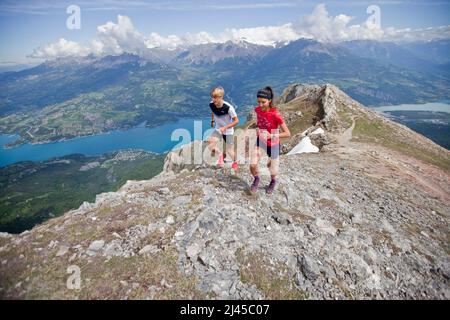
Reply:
x=269, y=121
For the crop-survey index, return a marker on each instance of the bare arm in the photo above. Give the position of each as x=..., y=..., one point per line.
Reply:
x=230, y=125
x=285, y=133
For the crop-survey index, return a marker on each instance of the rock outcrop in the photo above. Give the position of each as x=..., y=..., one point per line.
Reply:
x=366, y=217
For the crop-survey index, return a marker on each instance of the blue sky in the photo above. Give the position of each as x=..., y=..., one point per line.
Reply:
x=28, y=25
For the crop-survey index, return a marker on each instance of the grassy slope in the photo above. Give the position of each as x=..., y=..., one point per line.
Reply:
x=392, y=136
x=47, y=190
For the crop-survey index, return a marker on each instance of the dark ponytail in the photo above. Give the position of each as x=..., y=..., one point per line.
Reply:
x=266, y=93
x=271, y=93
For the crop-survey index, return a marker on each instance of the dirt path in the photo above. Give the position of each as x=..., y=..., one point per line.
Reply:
x=344, y=139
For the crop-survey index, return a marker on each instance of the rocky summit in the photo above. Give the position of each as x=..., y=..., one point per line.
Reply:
x=362, y=213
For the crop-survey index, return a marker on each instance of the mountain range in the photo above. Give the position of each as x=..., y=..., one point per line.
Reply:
x=71, y=97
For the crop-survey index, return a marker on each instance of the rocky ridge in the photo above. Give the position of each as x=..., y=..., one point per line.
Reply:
x=366, y=217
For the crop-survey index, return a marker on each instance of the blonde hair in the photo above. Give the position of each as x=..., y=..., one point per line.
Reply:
x=217, y=91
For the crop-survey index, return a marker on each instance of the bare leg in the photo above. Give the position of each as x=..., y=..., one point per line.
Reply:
x=212, y=145
x=254, y=168
x=256, y=154
x=230, y=151
x=273, y=165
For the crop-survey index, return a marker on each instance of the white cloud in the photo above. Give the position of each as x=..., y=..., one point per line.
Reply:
x=156, y=41
x=112, y=38
x=321, y=26
x=261, y=35
x=199, y=38
x=424, y=34
x=120, y=37
x=61, y=48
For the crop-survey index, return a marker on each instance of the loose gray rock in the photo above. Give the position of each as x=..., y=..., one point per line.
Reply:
x=95, y=247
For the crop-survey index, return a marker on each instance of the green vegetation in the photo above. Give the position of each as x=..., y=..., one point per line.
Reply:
x=383, y=133
x=127, y=96
x=32, y=192
x=61, y=101
x=433, y=125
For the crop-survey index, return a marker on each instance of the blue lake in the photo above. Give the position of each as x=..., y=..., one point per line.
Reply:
x=433, y=106
x=158, y=139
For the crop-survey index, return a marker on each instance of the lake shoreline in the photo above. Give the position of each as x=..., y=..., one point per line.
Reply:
x=430, y=107
x=156, y=139
x=63, y=139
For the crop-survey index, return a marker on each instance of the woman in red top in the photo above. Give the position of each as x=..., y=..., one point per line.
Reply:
x=269, y=120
